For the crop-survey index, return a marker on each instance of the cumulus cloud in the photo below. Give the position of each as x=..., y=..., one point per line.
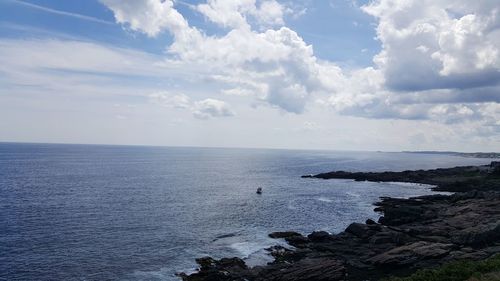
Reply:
x=439, y=60
x=276, y=65
x=148, y=16
x=438, y=44
x=202, y=109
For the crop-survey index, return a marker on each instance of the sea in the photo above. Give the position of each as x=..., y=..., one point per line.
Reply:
x=102, y=212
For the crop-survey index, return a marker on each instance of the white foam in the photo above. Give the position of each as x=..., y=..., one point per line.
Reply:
x=246, y=248
x=411, y=184
x=261, y=257
x=353, y=194
x=253, y=249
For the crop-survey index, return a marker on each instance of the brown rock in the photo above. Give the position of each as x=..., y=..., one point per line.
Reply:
x=410, y=253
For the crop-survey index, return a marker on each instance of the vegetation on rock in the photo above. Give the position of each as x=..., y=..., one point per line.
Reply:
x=484, y=270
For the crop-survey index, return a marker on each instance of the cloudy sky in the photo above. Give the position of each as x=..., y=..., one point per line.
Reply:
x=326, y=74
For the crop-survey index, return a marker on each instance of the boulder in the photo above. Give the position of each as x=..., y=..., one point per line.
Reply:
x=358, y=229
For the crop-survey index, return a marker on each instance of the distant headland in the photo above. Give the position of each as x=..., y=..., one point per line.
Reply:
x=462, y=154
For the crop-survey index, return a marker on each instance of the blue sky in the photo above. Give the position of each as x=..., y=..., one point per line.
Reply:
x=338, y=30
x=357, y=75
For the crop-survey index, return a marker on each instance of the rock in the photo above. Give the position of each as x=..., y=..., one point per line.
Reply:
x=293, y=238
x=393, y=237
x=232, y=262
x=411, y=253
x=280, y=253
x=480, y=235
x=437, y=230
x=297, y=241
x=318, y=236
x=413, y=233
x=401, y=214
x=461, y=255
x=358, y=229
x=226, y=269
x=436, y=239
x=493, y=250
x=430, y=250
x=495, y=168
x=206, y=262
x=318, y=269
x=381, y=239
x=457, y=179
x=284, y=234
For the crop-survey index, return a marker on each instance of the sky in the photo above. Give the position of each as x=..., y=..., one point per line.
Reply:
x=328, y=74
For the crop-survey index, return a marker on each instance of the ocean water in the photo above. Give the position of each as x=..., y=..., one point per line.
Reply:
x=91, y=212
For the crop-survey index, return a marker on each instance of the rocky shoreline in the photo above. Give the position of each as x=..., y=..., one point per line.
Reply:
x=412, y=234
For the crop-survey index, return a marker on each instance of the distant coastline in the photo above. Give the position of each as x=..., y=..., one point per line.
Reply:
x=462, y=154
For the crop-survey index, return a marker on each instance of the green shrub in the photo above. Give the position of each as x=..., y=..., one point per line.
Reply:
x=457, y=271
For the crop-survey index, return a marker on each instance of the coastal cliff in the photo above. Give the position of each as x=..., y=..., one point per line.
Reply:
x=412, y=234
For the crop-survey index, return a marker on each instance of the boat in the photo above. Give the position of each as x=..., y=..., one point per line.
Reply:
x=259, y=190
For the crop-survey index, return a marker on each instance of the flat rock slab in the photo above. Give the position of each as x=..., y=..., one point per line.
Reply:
x=411, y=253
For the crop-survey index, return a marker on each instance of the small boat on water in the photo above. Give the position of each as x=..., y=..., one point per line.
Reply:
x=259, y=190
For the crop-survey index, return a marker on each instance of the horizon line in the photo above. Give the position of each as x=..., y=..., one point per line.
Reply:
x=248, y=147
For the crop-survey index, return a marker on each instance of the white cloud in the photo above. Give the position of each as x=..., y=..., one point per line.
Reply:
x=238, y=92
x=426, y=45
x=202, y=109
x=438, y=72
x=439, y=62
x=55, y=54
x=278, y=61
x=235, y=14
x=227, y=13
x=439, y=59
x=50, y=66
x=209, y=108
x=148, y=16
x=179, y=101
x=438, y=44
x=270, y=12
x=466, y=45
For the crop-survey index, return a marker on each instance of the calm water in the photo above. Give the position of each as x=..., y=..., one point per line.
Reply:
x=81, y=212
